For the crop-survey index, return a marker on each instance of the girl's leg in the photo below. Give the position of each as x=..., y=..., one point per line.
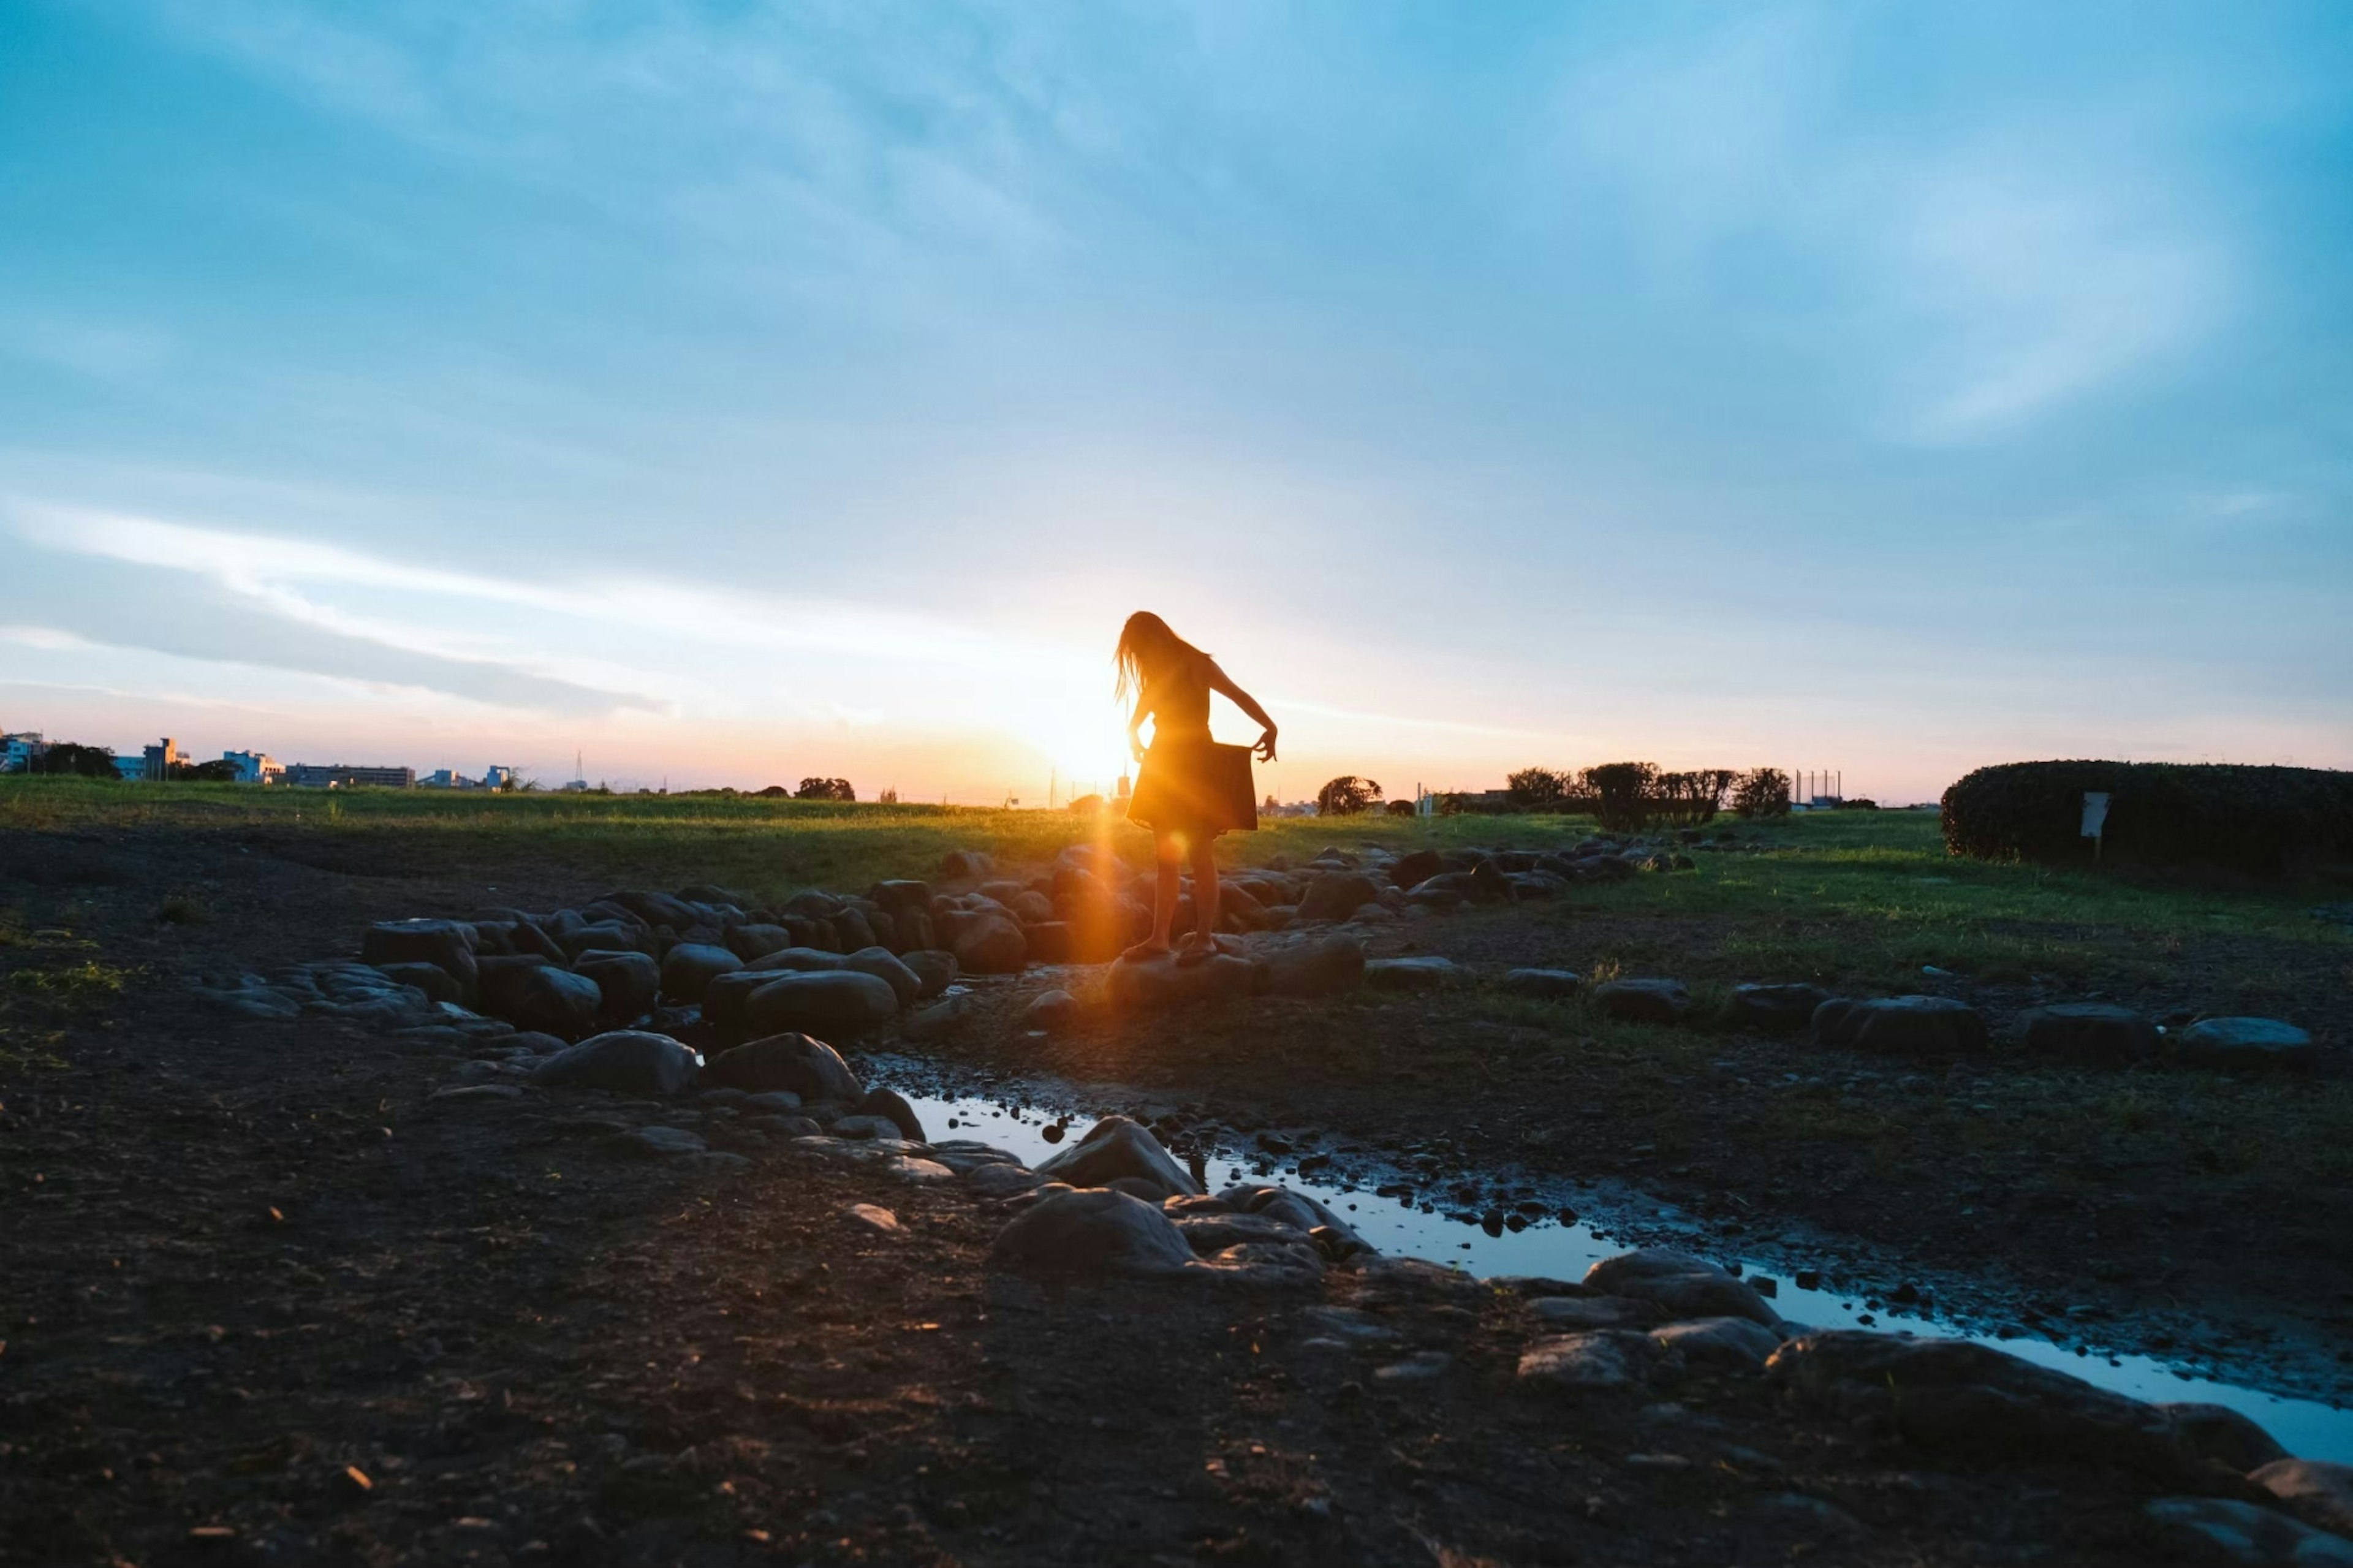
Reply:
x=1205, y=895
x=1169, y=858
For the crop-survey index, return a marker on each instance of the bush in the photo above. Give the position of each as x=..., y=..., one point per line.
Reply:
x=219, y=771
x=1762, y=792
x=2259, y=820
x=66, y=757
x=1694, y=796
x=1536, y=789
x=1620, y=792
x=1399, y=808
x=1347, y=795
x=825, y=789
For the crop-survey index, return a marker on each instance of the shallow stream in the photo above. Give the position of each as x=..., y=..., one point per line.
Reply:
x=1035, y=1120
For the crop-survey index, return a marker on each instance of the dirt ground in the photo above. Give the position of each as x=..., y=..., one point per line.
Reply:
x=263, y=1301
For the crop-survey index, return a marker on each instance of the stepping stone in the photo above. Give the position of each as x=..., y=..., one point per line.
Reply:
x=2256, y=1043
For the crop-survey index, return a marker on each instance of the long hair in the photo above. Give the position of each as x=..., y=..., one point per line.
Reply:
x=1148, y=653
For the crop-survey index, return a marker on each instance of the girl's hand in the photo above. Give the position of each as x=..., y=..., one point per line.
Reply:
x=1135, y=748
x=1265, y=747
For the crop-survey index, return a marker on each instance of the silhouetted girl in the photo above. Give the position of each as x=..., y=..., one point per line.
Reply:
x=1191, y=788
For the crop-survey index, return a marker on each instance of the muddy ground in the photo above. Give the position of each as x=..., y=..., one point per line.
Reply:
x=262, y=1302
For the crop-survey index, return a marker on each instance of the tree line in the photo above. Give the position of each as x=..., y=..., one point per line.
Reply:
x=1624, y=796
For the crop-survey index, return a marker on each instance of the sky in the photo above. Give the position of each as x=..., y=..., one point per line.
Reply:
x=726, y=394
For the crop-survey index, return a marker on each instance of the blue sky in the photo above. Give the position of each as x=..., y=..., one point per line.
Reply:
x=736, y=392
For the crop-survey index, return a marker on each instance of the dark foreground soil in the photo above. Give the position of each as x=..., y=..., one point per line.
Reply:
x=262, y=1302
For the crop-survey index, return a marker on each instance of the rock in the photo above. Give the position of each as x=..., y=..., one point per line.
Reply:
x=727, y=996
x=690, y=966
x=1785, y=1510
x=1002, y=1181
x=941, y=1017
x=785, y=1126
x=844, y=1003
x=934, y=970
x=1317, y=1219
x=1091, y=1232
x=1048, y=942
x=498, y=981
x=959, y=864
x=658, y=1142
x=1209, y=1234
x=1052, y=1011
x=628, y=982
x=1419, y=1367
x=2087, y=1032
x=873, y=1217
x=863, y=1126
x=2257, y=1043
x=753, y=942
x=1544, y=985
x=437, y=984
x=557, y=1002
x=465, y=1093
x=988, y=941
x=910, y=1168
x=1903, y=1026
x=1642, y=1001
x=1161, y=981
x=1320, y=966
x=2225, y=1531
x=1776, y=1008
x=809, y=1068
x=889, y=968
x=1582, y=1312
x=1680, y=1285
x=1738, y=1344
x=1587, y=1362
x=1410, y=870
x=2315, y=1491
x=799, y=960
x=448, y=945
x=629, y=1061
x=1334, y=897
x=2220, y=1432
x=1428, y=973
x=1955, y=1397
x=1116, y=1147
x=892, y=1107
x=769, y=1102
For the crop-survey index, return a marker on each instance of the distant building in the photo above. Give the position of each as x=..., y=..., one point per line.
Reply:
x=254, y=767
x=445, y=778
x=157, y=760
x=17, y=751
x=131, y=768
x=344, y=775
x=499, y=777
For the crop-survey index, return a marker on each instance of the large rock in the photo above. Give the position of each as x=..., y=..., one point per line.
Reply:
x=629, y=1061
x=1096, y=1232
x=2093, y=1032
x=751, y=941
x=1321, y=966
x=958, y=864
x=2220, y=1432
x=500, y=981
x=1957, y=1397
x=843, y=1002
x=1161, y=981
x=1594, y=1361
x=1543, y=985
x=690, y=966
x=1320, y=1223
x=799, y=960
x=1733, y=1344
x=1586, y=1312
x=988, y=941
x=1782, y=1008
x=2315, y=1491
x=437, y=984
x=810, y=1068
x=557, y=1002
x=448, y=945
x=1409, y=870
x=2257, y=1043
x=1115, y=1147
x=2224, y=1529
x=1334, y=897
x=887, y=967
x=1642, y=1001
x=1901, y=1026
x=892, y=1107
x=1424, y=972
x=1680, y=1285
x=627, y=981
x=934, y=970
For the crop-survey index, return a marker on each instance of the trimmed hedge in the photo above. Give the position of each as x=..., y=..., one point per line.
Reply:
x=2262, y=820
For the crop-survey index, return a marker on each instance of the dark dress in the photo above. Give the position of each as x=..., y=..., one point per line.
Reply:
x=1191, y=783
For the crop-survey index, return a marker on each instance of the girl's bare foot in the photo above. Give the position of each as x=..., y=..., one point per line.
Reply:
x=1195, y=949
x=1142, y=950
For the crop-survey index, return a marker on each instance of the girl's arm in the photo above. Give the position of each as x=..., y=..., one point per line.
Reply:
x=1134, y=725
x=1220, y=681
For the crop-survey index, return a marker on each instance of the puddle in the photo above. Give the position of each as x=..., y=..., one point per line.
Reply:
x=1017, y=1123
